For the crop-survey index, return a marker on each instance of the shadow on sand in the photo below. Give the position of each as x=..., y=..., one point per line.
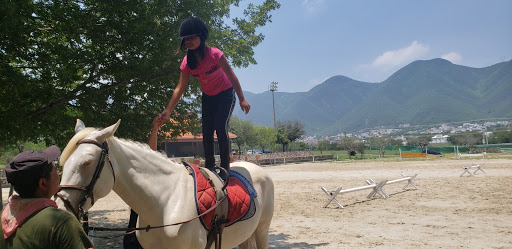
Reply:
x=280, y=241
x=113, y=239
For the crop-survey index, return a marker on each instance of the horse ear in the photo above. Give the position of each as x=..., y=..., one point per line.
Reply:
x=79, y=125
x=107, y=132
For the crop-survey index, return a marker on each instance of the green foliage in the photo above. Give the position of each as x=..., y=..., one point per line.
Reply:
x=101, y=61
x=297, y=146
x=501, y=137
x=382, y=142
x=323, y=145
x=420, y=141
x=266, y=136
x=245, y=131
x=361, y=148
x=349, y=143
x=468, y=139
x=288, y=131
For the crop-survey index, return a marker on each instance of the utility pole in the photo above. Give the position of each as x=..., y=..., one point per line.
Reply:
x=273, y=88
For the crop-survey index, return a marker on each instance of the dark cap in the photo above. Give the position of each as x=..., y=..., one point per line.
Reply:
x=30, y=163
x=193, y=27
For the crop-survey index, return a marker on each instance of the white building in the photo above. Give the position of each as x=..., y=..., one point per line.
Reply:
x=440, y=139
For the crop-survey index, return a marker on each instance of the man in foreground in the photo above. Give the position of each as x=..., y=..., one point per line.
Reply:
x=31, y=219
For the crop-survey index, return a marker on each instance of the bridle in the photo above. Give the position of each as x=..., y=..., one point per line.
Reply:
x=90, y=188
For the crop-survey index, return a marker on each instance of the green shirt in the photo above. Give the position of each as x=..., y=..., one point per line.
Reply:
x=50, y=228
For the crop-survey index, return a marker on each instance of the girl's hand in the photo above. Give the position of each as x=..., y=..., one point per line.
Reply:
x=157, y=122
x=245, y=106
x=164, y=116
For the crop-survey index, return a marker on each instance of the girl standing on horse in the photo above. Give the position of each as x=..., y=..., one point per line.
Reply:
x=218, y=84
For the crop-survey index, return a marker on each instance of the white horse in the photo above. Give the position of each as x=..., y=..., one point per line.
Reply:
x=159, y=190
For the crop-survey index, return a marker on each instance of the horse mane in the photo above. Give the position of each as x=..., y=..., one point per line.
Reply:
x=145, y=147
x=81, y=135
x=73, y=144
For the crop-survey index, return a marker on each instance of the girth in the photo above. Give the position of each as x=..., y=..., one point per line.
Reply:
x=219, y=220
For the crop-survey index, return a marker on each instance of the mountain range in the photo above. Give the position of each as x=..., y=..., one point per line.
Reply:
x=425, y=92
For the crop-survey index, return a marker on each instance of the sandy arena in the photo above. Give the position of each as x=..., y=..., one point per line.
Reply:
x=448, y=211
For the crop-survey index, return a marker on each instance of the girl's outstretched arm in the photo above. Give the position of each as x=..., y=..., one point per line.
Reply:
x=224, y=64
x=157, y=122
x=176, y=96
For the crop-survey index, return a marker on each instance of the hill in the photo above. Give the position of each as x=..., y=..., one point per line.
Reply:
x=422, y=93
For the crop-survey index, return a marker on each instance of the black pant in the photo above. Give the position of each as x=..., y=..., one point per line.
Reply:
x=217, y=111
x=130, y=240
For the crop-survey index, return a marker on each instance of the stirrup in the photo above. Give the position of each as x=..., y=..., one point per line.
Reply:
x=224, y=172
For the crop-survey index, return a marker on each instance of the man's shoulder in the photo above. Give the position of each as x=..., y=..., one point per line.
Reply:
x=55, y=213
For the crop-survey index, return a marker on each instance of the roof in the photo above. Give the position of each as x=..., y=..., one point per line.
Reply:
x=440, y=136
x=189, y=137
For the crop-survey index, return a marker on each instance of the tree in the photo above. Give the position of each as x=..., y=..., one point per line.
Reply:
x=420, y=141
x=467, y=139
x=244, y=130
x=288, y=132
x=298, y=146
x=323, y=145
x=281, y=138
x=380, y=143
x=101, y=61
x=361, y=147
x=501, y=137
x=349, y=144
x=265, y=136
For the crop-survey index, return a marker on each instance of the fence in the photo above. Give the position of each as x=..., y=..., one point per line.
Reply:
x=276, y=158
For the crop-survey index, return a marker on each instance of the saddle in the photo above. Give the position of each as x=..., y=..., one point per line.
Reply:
x=237, y=200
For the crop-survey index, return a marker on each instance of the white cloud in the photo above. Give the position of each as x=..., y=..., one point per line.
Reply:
x=401, y=56
x=453, y=57
x=312, y=5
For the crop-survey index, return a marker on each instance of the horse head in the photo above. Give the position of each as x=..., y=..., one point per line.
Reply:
x=87, y=173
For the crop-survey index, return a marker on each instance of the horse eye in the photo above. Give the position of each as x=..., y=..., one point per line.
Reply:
x=89, y=160
x=87, y=164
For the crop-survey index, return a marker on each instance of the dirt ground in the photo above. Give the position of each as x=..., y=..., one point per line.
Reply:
x=447, y=211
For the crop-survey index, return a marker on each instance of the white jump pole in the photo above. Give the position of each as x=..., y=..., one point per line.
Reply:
x=409, y=179
x=377, y=189
x=358, y=188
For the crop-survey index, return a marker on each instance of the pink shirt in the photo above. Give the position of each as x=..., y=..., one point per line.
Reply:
x=212, y=78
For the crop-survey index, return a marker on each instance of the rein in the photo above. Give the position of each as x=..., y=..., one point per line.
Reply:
x=149, y=227
x=90, y=188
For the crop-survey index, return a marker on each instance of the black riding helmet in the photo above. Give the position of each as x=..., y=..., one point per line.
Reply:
x=193, y=27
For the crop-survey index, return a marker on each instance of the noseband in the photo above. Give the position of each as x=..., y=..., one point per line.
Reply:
x=90, y=188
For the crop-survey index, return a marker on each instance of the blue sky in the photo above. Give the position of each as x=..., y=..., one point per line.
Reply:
x=310, y=41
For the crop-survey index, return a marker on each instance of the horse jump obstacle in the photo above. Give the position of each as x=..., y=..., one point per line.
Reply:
x=413, y=155
x=376, y=189
x=473, y=166
x=483, y=155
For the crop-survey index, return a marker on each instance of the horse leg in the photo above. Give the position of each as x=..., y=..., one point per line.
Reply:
x=262, y=233
x=250, y=243
x=259, y=239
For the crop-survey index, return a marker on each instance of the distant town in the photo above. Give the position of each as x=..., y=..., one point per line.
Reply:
x=440, y=133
